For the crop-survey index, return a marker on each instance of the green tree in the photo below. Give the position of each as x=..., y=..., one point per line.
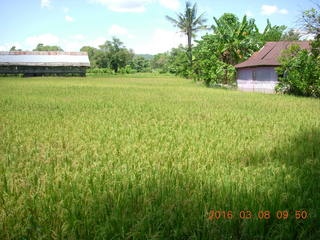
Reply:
x=178, y=62
x=42, y=47
x=234, y=40
x=113, y=54
x=160, y=62
x=140, y=64
x=208, y=65
x=272, y=33
x=189, y=23
x=291, y=35
x=92, y=52
x=310, y=20
x=13, y=48
x=231, y=42
x=299, y=72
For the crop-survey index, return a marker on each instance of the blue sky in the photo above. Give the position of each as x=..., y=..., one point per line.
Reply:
x=140, y=24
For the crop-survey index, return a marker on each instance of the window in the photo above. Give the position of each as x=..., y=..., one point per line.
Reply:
x=245, y=74
x=265, y=74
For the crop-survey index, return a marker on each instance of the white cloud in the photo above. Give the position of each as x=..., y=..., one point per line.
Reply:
x=249, y=13
x=171, y=4
x=161, y=41
x=76, y=42
x=69, y=43
x=135, y=5
x=78, y=37
x=124, y=5
x=45, y=3
x=7, y=46
x=47, y=39
x=283, y=11
x=68, y=18
x=96, y=42
x=305, y=35
x=271, y=9
x=116, y=30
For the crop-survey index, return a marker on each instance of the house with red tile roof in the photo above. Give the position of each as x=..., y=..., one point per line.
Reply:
x=257, y=74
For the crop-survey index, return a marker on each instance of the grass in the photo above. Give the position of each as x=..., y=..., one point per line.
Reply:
x=149, y=157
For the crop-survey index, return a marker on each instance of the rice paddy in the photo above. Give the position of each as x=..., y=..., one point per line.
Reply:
x=151, y=157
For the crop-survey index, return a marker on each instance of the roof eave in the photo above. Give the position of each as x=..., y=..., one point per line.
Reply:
x=257, y=65
x=44, y=64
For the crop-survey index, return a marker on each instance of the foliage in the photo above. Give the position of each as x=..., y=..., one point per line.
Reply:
x=112, y=54
x=127, y=70
x=310, y=20
x=315, y=46
x=42, y=47
x=100, y=70
x=148, y=158
x=174, y=61
x=160, y=62
x=146, y=56
x=13, y=48
x=140, y=64
x=208, y=67
x=272, y=33
x=291, y=35
x=232, y=41
x=178, y=62
x=235, y=41
x=92, y=53
x=299, y=72
x=189, y=23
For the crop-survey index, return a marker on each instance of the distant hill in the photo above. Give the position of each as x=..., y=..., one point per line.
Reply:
x=146, y=56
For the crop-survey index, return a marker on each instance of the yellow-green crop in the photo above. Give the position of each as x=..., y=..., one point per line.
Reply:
x=150, y=157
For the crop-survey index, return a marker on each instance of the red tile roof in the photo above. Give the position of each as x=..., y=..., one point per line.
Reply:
x=269, y=54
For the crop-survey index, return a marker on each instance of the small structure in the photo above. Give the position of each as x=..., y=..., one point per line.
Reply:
x=43, y=63
x=257, y=74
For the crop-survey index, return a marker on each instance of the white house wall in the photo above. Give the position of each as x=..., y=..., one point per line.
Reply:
x=259, y=79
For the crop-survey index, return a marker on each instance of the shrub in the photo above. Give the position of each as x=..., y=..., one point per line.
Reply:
x=299, y=73
x=100, y=70
x=213, y=71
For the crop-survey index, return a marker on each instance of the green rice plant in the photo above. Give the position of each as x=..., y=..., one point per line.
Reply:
x=149, y=156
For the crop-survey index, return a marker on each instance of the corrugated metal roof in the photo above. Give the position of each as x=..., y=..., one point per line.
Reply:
x=269, y=54
x=52, y=58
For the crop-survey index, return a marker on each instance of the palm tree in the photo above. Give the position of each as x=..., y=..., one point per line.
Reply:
x=189, y=23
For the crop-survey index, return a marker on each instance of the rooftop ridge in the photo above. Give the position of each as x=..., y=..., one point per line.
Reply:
x=269, y=57
x=272, y=47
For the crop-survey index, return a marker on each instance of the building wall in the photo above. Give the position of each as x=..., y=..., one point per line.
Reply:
x=258, y=79
x=42, y=70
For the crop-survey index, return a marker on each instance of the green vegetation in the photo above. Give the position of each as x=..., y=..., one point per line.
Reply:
x=189, y=23
x=42, y=47
x=310, y=20
x=112, y=54
x=130, y=157
x=299, y=73
x=230, y=41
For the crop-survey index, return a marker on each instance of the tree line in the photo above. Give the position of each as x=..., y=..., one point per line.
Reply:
x=212, y=59
x=228, y=41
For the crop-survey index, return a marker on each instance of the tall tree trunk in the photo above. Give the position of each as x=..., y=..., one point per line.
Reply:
x=190, y=49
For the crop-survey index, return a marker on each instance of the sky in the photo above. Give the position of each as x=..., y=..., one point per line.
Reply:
x=140, y=24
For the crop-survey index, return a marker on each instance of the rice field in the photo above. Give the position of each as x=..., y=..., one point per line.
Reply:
x=155, y=157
